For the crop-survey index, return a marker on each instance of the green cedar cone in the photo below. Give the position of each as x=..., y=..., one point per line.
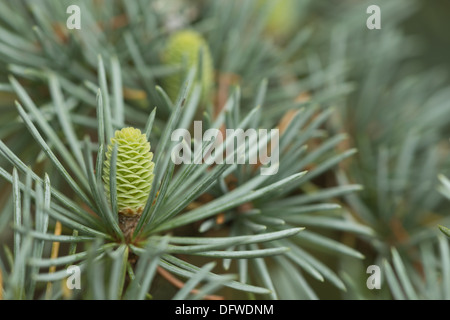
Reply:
x=182, y=45
x=134, y=170
x=281, y=20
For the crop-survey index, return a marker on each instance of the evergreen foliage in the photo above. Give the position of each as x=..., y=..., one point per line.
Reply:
x=360, y=179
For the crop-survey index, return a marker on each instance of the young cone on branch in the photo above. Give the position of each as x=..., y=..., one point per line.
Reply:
x=134, y=175
x=185, y=47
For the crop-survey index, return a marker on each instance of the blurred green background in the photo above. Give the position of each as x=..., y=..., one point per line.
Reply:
x=432, y=24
